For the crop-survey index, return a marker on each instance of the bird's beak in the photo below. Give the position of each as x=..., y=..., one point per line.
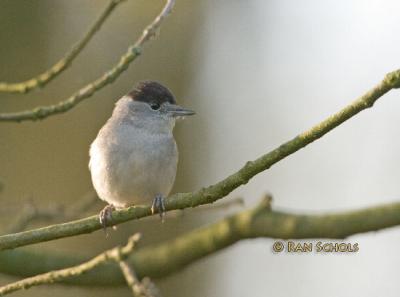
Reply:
x=178, y=111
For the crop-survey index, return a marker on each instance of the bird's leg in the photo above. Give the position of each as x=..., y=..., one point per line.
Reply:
x=159, y=205
x=105, y=216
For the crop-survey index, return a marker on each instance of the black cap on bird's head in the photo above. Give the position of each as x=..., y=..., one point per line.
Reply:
x=152, y=92
x=156, y=95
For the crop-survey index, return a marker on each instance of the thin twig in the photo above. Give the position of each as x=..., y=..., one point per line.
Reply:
x=133, y=52
x=30, y=213
x=116, y=254
x=131, y=279
x=144, y=288
x=217, y=191
x=43, y=79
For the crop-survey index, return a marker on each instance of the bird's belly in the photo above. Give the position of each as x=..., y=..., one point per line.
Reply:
x=136, y=173
x=143, y=177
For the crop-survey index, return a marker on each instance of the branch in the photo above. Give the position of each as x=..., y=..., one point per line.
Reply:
x=130, y=277
x=43, y=79
x=30, y=213
x=116, y=254
x=161, y=260
x=214, y=192
x=133, y=52
x=172, y=256
x=144, y=288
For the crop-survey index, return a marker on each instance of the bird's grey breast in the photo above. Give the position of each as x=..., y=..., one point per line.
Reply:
x=140, y=163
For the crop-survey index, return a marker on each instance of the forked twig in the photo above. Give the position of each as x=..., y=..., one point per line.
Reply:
x=116, y=254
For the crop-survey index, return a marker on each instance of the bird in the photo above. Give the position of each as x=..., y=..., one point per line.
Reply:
x=134, y=157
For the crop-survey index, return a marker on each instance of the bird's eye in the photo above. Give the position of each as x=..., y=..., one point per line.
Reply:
x=155, y=106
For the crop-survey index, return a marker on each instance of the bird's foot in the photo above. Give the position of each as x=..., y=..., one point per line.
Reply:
x=105, y=216
x=159, y=205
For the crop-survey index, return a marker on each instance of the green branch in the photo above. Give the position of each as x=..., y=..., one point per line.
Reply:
x=214, y=192
x=43, y=79
x=166, y=258
x=116, y=254
x=133, y=52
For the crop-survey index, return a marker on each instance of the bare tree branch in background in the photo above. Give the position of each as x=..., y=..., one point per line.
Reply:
x=31, y=213
x=87, y=91
x=116, y=254
x=144, y=288
x=43, y=79
x=163, y=259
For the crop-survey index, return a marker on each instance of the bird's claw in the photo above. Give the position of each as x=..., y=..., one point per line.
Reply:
x=105, y=216
x=159, y=205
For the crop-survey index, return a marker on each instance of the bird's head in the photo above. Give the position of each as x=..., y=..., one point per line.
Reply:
x=150, y=104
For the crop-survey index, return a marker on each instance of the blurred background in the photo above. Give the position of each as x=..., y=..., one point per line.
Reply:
x=257, y=73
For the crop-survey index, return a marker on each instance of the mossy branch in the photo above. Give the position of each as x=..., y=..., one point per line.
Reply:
x=43, y=79
x=133, y=52
x=163, y=259
x=214, y=192
x=116, y=254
